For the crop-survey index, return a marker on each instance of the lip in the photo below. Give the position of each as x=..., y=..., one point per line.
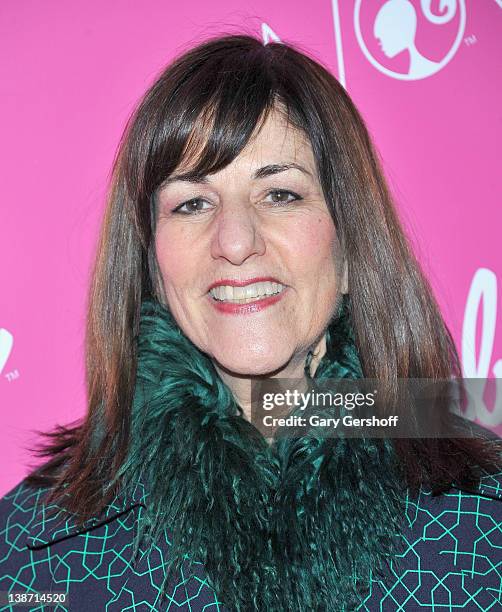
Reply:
x=249, y=281
x=251, y=307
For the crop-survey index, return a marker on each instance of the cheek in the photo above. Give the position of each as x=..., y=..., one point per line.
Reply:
x=173, y=256
x=318, y=241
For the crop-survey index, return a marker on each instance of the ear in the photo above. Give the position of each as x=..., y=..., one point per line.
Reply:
x=344, y=285
x=318, y=354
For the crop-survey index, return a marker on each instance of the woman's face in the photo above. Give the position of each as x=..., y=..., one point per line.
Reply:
x=254, y=219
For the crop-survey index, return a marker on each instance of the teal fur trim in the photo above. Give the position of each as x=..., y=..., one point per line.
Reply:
x=301, y=524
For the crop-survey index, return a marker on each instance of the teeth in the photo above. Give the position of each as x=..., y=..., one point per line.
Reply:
x=247, y=293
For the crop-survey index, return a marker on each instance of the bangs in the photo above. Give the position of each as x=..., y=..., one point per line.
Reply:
x=221, y=108
x=214, y=142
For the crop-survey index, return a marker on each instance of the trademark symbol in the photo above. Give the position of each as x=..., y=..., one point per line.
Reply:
x=12, y=375
x=470, y=40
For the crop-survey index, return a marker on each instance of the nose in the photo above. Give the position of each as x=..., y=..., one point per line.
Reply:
x=236, y=235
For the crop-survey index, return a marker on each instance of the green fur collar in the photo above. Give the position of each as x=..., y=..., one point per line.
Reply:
x=298, y=525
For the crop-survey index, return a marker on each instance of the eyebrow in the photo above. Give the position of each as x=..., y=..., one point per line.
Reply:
x=261, y=173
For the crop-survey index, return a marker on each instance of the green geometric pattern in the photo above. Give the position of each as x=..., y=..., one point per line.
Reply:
x=453, y=554
x=452, y=559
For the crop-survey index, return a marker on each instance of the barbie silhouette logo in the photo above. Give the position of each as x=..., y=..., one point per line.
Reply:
x=409, y=39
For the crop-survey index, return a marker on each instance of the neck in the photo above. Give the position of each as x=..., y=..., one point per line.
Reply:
x=240, y=384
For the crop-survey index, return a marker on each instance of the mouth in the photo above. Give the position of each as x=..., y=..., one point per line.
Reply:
x=245, y=292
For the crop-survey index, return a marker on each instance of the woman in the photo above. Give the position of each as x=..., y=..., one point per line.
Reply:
x=247, y=168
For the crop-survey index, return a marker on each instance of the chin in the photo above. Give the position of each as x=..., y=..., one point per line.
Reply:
x=256, y=365
x=394, y=52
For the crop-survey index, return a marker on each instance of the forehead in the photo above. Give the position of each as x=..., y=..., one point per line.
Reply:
x=277, y=132
x=280, y=139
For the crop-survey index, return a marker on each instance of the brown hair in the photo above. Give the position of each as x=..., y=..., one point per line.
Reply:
x=232, y=82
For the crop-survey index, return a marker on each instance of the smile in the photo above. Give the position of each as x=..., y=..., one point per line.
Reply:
x=247, y=299
x=248, y=293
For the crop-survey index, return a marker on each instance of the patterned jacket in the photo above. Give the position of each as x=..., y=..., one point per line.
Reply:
x=452, y=558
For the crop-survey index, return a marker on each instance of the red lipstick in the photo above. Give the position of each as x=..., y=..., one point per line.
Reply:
x=250, y=307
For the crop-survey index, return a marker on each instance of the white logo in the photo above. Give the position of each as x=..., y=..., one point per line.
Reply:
x=6, y=342
x=395, y=27
x=268, y=35
x=483, y=287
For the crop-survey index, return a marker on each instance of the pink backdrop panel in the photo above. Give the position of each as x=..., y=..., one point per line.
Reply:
x=425, y=79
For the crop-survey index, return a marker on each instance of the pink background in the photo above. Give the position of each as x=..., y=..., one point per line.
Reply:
x=70, y=74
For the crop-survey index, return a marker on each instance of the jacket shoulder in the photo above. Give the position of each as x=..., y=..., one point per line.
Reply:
x=19, y=508
x=451, y=550
x=43, y=549
x=21, y=498
x=36, y=535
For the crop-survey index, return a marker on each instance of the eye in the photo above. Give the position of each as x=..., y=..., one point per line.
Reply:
x=283, y=192
x=191, y=207
x=194, y=206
